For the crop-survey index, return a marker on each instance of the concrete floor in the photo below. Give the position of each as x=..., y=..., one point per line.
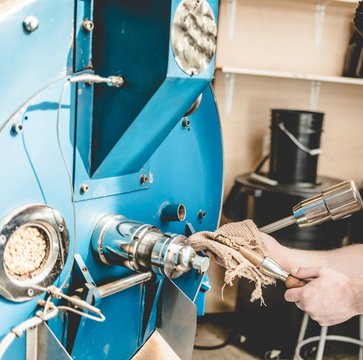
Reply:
x=214, y=330
x=209, y=334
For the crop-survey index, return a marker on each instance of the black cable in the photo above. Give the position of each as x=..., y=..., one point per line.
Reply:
x=261, y=163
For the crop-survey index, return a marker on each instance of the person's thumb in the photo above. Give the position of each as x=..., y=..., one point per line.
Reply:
x=306, y=272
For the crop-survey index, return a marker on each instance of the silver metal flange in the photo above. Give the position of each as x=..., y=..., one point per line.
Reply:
x=50, y=223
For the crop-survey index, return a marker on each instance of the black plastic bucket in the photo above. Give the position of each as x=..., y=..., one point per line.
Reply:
x=295, y=141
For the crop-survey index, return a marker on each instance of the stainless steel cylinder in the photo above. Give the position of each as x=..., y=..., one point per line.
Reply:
x=117, y=240
x=334, y=203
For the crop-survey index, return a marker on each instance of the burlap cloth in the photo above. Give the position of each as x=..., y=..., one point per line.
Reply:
x=243, y=233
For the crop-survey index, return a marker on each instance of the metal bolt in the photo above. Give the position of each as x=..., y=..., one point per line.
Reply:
x=88, y=25
x=201, y=214
x=30, y=23
x=30, y=292
x=143, y=179
x=2, y=239
x=84, y=188
x=17, y=128
x=61, y=227
x=185, y=123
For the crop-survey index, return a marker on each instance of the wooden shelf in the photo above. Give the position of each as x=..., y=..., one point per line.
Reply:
x=288, y=75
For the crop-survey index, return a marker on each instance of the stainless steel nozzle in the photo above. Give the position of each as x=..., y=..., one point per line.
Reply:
x=333, y=203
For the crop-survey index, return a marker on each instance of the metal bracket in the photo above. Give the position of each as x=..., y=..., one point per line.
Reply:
x=319, y=23
x=229, y=91
x=42, y=344
x=231, y=16
x=90, y=291
x=314, y=94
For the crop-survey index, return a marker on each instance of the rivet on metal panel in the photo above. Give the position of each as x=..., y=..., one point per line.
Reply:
x=143, y=179
x=17, y=128
x=87, y=25
x=30, y=292
x=84, y=188
x=30, y=23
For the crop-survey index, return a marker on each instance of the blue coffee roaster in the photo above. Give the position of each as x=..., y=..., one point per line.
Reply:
x=111, y=154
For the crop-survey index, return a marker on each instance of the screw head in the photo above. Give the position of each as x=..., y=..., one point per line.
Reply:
x=30, y=23
x=17, y=128
x=201, y=214
x=143, y=179
x=61, y=227
x=2, y=239
x=30, y=292
x=88, y=25
x=84, y=188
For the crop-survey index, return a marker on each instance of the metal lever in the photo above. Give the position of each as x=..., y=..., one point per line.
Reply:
x=333, y=203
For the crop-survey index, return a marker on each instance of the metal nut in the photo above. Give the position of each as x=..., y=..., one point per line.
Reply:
x=143, y=179
x=30, y=23
x=185, y=122
x=88, y=25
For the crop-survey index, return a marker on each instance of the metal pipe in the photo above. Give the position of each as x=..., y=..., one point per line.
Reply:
x=277, y=225
x=173, y=212
x=123, y=284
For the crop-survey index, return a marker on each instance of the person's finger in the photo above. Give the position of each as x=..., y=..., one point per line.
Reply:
x=300, y=305
x=293, y=295
x=306, y=272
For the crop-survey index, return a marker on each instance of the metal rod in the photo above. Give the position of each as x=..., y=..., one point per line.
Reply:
x=277, y=225
x=322, y=341
x=123, y=284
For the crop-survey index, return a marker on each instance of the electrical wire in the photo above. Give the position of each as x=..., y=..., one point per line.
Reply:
x=101, y=317
x=70, y=183
x=261, y=163
x=116, y=81
x=48, y=314
x=41, y=317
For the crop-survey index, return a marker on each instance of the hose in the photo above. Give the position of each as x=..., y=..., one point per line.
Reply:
x=18, y=331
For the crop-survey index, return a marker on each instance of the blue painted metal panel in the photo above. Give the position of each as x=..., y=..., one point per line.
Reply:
x=120, y=25
x=33, y=61
x=83, y=39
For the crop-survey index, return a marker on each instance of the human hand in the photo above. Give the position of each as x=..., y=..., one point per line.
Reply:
x=281, y=254
x=330, y=298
